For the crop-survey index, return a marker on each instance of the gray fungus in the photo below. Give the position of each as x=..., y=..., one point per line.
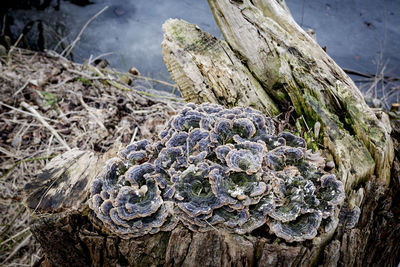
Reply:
x=217, y=168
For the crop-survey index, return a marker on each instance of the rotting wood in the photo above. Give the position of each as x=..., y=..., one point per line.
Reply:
x=282, y=59
x=68, y=236
x=290, y=64
x=207, y=70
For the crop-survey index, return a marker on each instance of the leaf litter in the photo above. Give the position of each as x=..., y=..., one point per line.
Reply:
x=49, y=105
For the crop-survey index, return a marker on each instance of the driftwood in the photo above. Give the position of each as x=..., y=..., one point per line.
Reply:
x=267, y=62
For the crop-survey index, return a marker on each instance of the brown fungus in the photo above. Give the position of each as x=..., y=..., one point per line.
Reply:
x=218, y=168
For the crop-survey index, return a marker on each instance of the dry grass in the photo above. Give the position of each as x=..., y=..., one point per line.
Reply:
x=380, y=90
x=48, y=105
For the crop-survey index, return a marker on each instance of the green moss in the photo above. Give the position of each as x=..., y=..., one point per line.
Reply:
x=84, y=81
x=178, y=34
x=311, y=143
x=281, y=95
x=49, y=99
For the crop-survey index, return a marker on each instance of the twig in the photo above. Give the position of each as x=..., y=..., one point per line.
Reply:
x=14, y=264
x=99, y=56
x=138, y=112
x=8, y=153
x=24, y=160
x=370, y=75
x=134, y=135
x=212, y=226
x=3, y=29
x=21, y=122
x=61, y=83
x=86, y=75
x=155, y=80
x=116, y=85
x=24, y=112
x=8, y=226
x=69, y=48
x=98, y=121
x=305, y=123
x=51, y=129
x=22, y=88
x=60, y=42
x=16, y=235
x=23, y=243
x=143, y=78
x=283, y=123
x=15, y=44
x=44, y=194
x=95, y=69
x=50, y=142
x=302, y=14
x=123, y=88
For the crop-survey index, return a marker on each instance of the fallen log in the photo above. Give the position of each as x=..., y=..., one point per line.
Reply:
x=269, y=63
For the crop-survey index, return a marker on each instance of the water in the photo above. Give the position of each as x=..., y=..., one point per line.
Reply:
x=131, y=30
x=362, y=35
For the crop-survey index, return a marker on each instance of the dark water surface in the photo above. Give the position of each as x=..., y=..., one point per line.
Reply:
x=131, y=30
x=362, y=35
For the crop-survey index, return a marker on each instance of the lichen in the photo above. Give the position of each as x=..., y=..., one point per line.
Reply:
x=217, y=168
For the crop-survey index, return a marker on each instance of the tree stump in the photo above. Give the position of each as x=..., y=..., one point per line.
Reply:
x=269, y=63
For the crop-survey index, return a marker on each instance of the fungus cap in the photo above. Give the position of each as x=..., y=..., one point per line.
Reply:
x=217, y=168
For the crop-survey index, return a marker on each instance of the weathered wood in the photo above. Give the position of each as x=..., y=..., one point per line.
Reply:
x=207, y=70
x=290, y=64
x=292, y=69
x=64, y=182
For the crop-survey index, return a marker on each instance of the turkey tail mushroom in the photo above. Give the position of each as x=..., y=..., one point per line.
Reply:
x=217, y=168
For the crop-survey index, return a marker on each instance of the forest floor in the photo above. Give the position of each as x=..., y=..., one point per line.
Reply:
x=49, y=105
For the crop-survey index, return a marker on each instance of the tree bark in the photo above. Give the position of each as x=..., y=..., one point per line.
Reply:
x=267, y=62
x=207, y=70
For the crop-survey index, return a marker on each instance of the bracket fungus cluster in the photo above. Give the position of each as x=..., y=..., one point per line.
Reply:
x=217, y=168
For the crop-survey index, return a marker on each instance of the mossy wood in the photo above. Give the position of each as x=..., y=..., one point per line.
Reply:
x=285, y=66
x=269, y=63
